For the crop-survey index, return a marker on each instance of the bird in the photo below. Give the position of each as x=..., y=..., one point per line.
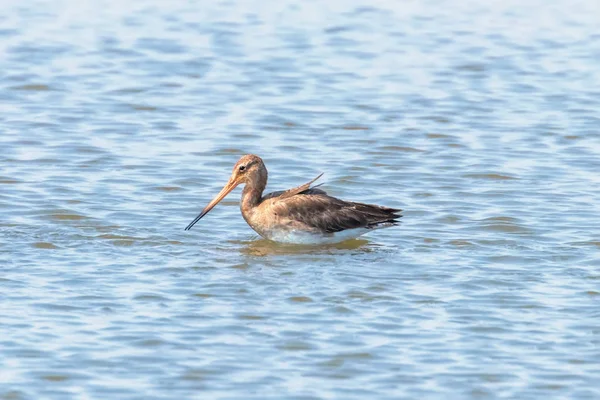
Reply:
x=305, y=214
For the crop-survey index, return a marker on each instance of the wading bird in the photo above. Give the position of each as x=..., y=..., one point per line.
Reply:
x=302, y=215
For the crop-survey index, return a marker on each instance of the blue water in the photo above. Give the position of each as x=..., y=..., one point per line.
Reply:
x=121, y=120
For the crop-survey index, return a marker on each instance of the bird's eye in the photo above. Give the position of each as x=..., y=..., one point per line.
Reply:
x=242, y=167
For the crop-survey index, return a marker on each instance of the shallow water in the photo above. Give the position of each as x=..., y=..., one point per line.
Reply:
x=121, y=120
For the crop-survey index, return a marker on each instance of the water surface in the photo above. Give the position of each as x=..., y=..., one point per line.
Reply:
x=121, y=120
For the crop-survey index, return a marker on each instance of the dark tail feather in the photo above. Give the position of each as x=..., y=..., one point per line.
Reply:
x=379, y=216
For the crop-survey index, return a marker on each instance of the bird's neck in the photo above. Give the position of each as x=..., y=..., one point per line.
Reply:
x=251, y=196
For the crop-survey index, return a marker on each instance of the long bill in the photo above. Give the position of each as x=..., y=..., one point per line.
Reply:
x=224, y=192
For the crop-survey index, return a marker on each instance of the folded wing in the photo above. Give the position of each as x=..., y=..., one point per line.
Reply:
x=328, y=214
x=312, y=209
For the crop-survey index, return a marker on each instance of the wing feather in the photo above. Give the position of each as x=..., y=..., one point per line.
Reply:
x=297, y=190
x=310, y=208
x=328, y=214
x=302, y=189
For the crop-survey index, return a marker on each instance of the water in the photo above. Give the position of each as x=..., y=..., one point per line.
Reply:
x=121, y=120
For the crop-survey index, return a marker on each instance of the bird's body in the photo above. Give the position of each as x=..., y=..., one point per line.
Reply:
x=302, y=215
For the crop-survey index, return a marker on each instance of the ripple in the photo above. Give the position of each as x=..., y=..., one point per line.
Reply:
x=300, y=299
x=251, y=317
x=490, y=176
x=33, y=87
x=63, y=215
x=139, y=107
x=55, y=378
x=44, y=245
x=149, y=297
x=295, y=345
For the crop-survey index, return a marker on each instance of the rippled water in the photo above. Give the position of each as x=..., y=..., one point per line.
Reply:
x=121, y=120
